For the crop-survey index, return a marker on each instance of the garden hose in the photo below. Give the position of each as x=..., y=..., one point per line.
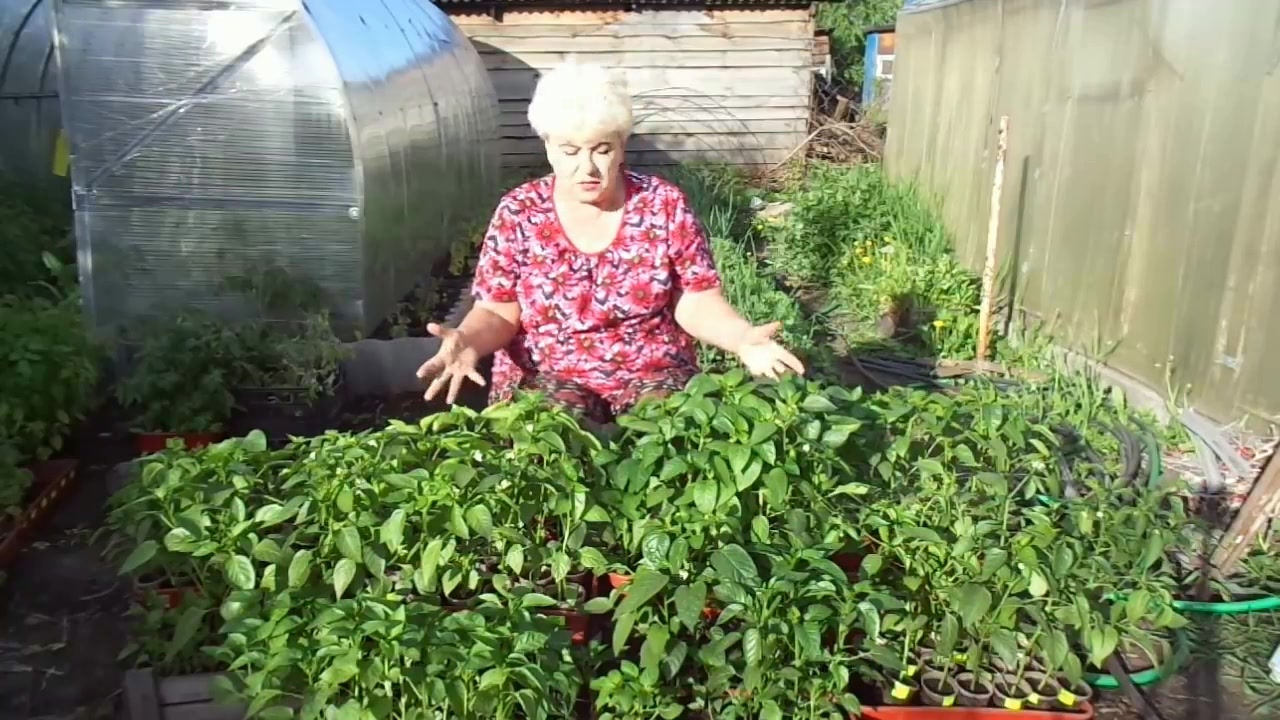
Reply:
x=1182, y=651
x=1232, y=607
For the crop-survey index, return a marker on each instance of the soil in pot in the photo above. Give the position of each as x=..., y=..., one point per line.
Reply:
x=1072, y=694
x=937, y=689
x=1011, y=693
x=900, y=690
x=1044, y=690
x=973, y=691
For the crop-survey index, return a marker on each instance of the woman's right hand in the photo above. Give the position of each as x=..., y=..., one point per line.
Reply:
x=454, y=362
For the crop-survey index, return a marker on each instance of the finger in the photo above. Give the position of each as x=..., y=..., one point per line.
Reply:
x=791, y=361
x=476, y=378
x=431, y=367
x=434, y=388
x=439, y=330
x=455, y=384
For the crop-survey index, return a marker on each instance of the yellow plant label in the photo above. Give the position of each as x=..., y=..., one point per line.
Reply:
x=61, y=155
x=959, y=657
x=1034, y=699
x=948, y=701
x=1012, y=704
x=912, y=670
x=1068, y=698
x=900, y=691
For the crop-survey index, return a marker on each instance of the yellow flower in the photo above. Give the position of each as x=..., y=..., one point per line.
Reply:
x=939, y=324
x=866, y=260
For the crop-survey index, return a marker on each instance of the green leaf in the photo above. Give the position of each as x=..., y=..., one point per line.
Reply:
x=752, y=645
x=1101, y=643
x=1137, y=605
x=536, y=600
x=929, y=467
x=515, y=558
x=920, y=533
x=733, y=563
x=300, y=569
x=622, y=625
x=598, y=606
x=392, y=531
x=818, y=404
x=643, y=587
x=836, y=437
x=480, y=520
x=808, y=640
x=760, y=529
x=185, y=630
x=1153, y=550
x=1038, y=586
x=592, y=559
x=140, y=555
x=240, y=573
x=673, y=468
x=346, y=501
x=762, y=431
x=705, y=496
x=341, y=670
x=690, y=601
x=972, y=602
x=343, y=574
x=1055, y=646
x=948, y=634
x=654, y=647
x=348, y=541
x=770, y=710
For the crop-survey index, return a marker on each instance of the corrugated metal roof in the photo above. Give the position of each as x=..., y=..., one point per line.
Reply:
x=602, y=4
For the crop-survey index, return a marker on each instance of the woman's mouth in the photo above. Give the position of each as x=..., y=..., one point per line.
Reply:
x=589, y=184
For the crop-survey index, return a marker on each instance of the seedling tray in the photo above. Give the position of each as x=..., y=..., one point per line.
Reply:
x=53, y=481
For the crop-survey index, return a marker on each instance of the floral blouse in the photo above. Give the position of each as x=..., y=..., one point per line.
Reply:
x=602, y=321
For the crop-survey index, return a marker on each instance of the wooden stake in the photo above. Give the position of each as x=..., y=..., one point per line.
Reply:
x=1262, y=505
x=993, y=235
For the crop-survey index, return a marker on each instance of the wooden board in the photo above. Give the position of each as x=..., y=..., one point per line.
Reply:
x=187, y=697
x=743, y=82
x=595, y=18
x=675, y=42
x=724, y=126
x=665, y=158
x=519, y=60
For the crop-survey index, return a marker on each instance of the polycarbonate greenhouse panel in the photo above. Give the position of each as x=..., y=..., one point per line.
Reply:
x=29, y=113
x=345, y=141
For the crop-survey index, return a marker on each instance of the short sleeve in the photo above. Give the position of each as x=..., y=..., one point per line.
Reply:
x=498, y=267
x=691, y=257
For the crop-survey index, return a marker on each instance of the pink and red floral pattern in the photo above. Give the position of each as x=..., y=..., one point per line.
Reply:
x=601, y=321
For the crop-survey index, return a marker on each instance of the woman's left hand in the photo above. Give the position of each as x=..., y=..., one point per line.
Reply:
x=763, y=356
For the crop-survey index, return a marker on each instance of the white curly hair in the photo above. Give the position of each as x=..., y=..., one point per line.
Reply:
x=577, y=101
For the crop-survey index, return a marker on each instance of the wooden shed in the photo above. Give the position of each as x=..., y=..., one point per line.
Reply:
x=717, y=80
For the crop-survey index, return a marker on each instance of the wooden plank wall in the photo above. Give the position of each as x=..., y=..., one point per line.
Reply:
x=1142, y=201
x=728, y=86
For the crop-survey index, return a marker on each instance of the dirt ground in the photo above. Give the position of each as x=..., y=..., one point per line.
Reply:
x=62, y=607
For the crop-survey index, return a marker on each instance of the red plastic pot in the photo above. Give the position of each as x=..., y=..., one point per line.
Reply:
x=578, y=623
x=150, y=443
x=878, y=712
x=172, y=597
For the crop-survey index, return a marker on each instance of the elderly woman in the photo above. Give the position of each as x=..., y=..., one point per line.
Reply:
x=594, y=282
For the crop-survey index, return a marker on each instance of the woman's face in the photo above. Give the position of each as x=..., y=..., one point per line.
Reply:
x=587, y=170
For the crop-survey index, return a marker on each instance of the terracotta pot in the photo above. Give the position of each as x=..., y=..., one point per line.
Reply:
x=937, y=689
x=1072, y=694
x=973, y=691
x=849, y=562
x=150, y=443
x=172, y=596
